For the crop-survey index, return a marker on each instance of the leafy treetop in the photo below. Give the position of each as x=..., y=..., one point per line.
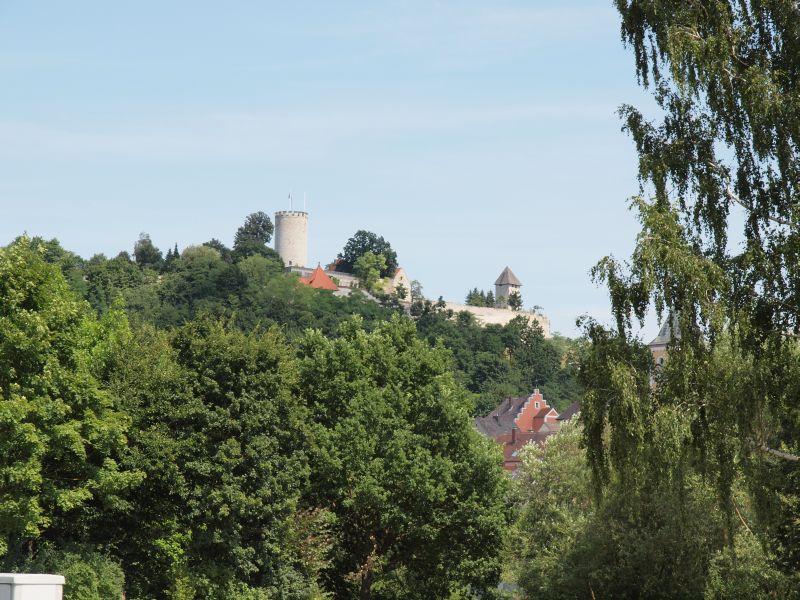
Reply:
x=361, y=243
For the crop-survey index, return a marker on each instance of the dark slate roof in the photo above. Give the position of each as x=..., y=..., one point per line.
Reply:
x=507, y=277
x=501, y=419
x=569, y=412
x=664, y=336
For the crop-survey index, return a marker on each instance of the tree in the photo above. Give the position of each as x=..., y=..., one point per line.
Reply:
x=361, y=243
x=418, y=495
x=515, y=301
x=416, y=291
x=221, y=438
x=476, y=297
x=61, y=435
x=170, y=259
x=225, y=253
x=256, y=230
x=662, y=540
x=146, y=254
x=724, y=74
x=368, y=268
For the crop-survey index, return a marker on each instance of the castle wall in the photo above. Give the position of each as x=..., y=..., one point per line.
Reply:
x=291, y=237
x=501, y=316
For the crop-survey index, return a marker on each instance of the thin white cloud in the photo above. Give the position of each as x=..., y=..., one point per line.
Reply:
x=280, y=134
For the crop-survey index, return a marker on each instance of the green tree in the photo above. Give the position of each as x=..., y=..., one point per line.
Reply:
x=72, y=266
x=476, y=297
x=225, y=253
x=418, y=495
x=221, y=438
x=171, y=258
x=62, y=435
x=728, y=142
x=107, y=280
x=361, y=243
x=368, y=269
x=554, y=497
x=254, y=235
x=661, y=539
x=515, y=301
x=416, y=291
x=146, y=254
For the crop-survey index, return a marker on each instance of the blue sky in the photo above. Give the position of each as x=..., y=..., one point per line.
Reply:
x=472, y=135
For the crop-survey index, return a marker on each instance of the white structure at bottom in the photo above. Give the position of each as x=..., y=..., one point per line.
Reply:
x=31, y=586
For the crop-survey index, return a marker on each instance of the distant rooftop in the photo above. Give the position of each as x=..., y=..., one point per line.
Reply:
x=507, y=277
x=664, y=336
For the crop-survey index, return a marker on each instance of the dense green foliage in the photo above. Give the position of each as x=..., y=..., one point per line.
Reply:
x=215, y=430
x=61, y=435
x=368, y=268
x=665, y=539
x=723, y=410
x=416, y=492
x=476, y=297
x=361, y=243
x=494, y=362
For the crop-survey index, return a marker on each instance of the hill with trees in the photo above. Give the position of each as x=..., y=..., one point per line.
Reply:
x=201, y=425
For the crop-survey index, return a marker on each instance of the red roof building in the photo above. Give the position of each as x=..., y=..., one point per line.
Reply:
x=517, y=421
x=319, y=280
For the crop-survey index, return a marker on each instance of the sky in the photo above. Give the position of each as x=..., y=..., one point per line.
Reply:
x=471, y=135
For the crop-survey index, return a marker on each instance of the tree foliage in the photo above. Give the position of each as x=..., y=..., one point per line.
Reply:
x=661, y=540
x=476, y=297
x=368, y=269
x=62, y=435
x=146, y=254
x=417, y=494
x=495, y=362
x=727, y=145
x=361, y=243
x=216, y=458
x=257, y=228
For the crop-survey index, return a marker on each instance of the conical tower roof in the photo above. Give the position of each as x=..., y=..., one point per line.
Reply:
x=665, y=335
x=507, y=277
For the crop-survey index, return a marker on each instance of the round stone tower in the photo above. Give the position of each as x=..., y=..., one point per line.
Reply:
x=291, y=237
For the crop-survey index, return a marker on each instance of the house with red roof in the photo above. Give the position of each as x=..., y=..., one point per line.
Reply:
x=518, y=421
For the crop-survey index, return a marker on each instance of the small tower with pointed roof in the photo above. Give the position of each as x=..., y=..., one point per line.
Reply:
x=506, y=284
x=658, y=347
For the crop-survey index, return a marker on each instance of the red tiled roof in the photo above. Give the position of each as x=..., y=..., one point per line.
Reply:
x=319, y=280
x=517, y=421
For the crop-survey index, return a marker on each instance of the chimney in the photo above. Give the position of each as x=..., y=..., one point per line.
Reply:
x=513, y=435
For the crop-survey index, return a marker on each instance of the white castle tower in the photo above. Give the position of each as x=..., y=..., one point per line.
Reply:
x=506, y=284
x=291, y=237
